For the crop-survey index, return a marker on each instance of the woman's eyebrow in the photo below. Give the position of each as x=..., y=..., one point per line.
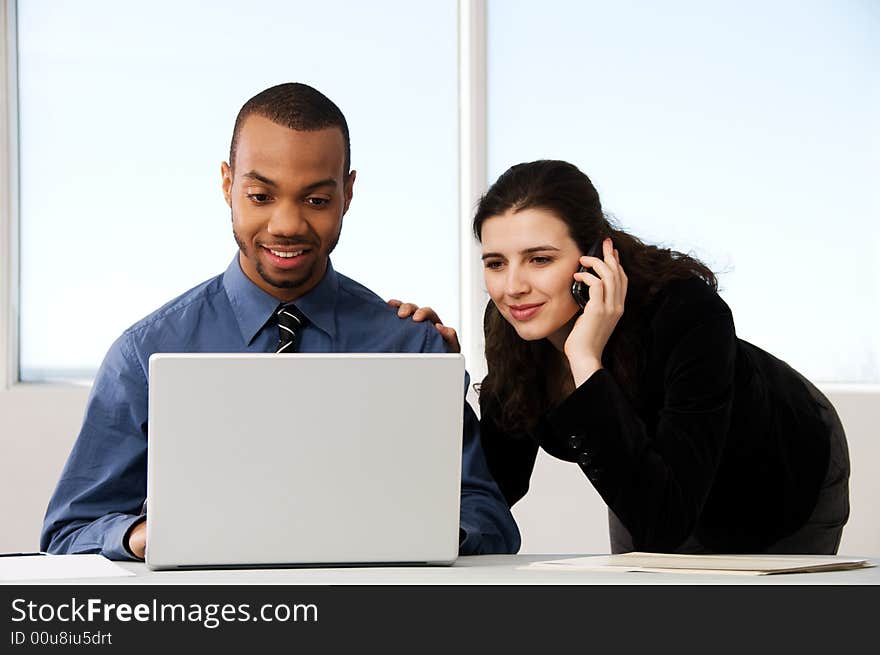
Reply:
x=522, y=252
x=538, y=249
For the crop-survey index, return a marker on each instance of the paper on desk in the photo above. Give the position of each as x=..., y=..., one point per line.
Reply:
x=712, y=564
x=57, y=567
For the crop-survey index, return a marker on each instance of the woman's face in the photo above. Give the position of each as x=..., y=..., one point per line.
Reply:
x=528, y=259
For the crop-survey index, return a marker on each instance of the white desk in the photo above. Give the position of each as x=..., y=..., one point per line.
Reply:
x=479, y=570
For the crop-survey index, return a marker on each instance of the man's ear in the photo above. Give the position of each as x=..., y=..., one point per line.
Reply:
x=226, y=173
x=348, y=190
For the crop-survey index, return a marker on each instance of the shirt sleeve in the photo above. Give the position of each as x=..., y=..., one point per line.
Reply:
x=101, y=493
x=655, y=478
x=487, y=526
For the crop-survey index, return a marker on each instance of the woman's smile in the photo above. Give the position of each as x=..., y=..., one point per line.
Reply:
x=525, y=312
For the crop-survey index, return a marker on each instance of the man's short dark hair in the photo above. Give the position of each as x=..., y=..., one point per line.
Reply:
x=296, y=106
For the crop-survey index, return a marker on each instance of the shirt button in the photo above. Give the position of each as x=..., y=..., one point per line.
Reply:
x=575, y=442
x=594, y=475
x=585, y=459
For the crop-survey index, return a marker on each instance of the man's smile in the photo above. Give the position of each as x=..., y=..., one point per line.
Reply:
x=287, y=257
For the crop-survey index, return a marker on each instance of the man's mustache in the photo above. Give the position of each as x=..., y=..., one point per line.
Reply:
x=290, y=243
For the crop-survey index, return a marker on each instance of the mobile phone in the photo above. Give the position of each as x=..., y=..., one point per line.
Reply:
x=579, y=290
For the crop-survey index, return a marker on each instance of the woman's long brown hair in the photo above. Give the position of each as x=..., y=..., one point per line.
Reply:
x=523, y=379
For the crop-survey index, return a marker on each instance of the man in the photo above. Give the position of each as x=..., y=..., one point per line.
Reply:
x=288, y=183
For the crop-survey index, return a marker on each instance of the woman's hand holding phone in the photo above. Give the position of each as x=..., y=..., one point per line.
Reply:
x=607, y=293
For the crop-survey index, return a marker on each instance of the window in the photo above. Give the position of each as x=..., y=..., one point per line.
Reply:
x=746, y=133
x=126, y=111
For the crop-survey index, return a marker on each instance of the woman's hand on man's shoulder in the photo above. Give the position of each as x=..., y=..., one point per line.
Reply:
x=419, y=314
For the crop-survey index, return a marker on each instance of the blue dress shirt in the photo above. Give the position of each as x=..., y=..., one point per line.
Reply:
x=102, y=489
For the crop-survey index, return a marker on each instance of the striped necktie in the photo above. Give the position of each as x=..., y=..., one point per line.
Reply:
x=291, y=322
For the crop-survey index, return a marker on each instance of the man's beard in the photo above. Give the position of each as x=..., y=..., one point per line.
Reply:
x=305, y=276
x=287, y=284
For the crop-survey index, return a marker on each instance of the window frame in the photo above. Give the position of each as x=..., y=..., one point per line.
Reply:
x=9, y=209
x=472, y=182
x=472, y=164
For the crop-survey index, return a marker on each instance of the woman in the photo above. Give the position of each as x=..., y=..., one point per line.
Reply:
x=697, y=441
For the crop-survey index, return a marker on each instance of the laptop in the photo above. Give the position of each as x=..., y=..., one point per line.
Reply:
x=263, y=460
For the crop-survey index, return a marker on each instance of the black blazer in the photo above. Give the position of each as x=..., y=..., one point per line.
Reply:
x=723, y=441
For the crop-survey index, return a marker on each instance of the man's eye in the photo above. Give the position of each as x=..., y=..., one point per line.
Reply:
x=317, y=202
x=494, y=265
x=258, y=198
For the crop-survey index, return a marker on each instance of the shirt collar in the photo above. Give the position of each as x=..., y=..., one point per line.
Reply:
x=253, y=307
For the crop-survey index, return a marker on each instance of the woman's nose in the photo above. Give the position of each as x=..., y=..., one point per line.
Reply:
x=517, y=282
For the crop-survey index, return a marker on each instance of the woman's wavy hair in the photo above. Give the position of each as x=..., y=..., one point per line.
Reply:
x=523, y=375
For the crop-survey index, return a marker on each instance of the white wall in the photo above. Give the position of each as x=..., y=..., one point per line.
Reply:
x=37, y=428
x=561, y=514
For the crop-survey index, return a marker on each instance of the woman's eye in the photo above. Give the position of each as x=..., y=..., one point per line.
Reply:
x=258, y=198
x=494, y=264
x=541, y=260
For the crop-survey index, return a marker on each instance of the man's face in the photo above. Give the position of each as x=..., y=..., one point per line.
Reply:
x=288, y=192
